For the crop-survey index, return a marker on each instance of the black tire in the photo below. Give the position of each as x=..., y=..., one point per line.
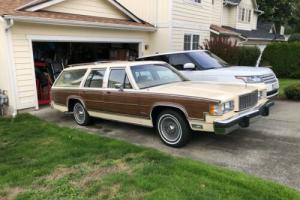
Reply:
x=173, y=128
x=81, y=116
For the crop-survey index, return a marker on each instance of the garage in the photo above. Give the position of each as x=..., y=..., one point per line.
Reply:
x=50, y=58
x=44, y=37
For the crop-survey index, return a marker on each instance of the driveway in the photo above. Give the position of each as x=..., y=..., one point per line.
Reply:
x=269, y=149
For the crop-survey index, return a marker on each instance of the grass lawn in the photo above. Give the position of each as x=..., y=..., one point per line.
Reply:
x=39, y=160
x=285, y=83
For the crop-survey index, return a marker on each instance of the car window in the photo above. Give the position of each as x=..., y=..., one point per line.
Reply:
x=119, y=76
x=156, y=58
x=71, y=78
x=152, y=75
x=95, y=79
x=208, y=60
x=179, y=60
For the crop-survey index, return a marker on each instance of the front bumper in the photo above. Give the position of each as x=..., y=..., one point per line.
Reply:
x=224, y=127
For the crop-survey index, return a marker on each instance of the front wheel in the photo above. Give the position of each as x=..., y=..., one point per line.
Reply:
x=173, y=128
x=81, y=116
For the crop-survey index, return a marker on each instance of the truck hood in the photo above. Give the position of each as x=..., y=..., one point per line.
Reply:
x=213, y=91
x=241, y=71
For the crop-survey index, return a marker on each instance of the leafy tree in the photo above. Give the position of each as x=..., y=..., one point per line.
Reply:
x=278, y=11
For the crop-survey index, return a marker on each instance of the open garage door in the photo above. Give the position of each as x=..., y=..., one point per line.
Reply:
x=50, y=58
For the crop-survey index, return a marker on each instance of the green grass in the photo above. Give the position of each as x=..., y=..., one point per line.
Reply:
x=39, y=160
x=285, y=83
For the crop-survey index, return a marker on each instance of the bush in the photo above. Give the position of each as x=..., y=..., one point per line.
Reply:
x=293, y=92
x=231, y=53
x=284, y=59
x=294, y=37
x=248, y=56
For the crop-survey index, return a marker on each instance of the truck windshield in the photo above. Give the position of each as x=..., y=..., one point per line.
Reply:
x=152, y=75
x=208, y=60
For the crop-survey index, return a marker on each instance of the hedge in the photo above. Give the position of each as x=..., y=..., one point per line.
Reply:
x=284, y=59
x=292, y=92
x=248, y=56
x=294, y=37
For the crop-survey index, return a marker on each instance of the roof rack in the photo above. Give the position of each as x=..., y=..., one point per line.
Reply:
x=91, y=63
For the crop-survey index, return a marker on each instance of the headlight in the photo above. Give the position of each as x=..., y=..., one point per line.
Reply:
x=220, y=109
x=250, y=79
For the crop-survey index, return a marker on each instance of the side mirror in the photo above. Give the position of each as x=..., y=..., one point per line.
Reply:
x=119, y=86
x=190, y=66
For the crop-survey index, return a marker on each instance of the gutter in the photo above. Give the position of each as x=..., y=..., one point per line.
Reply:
x=76, y=23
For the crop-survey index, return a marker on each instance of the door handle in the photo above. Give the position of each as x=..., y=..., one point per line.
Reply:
x=108, y=92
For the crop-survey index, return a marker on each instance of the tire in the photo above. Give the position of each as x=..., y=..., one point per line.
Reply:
x=173, y=128
x=81, y=116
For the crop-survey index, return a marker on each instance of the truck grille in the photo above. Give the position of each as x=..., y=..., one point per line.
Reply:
x=268, y=79
x=248, y=100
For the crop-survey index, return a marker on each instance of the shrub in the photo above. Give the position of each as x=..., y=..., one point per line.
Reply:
x=248, y=56
x=284, y=59
x=293, y=92
x=231, y=53
x=294, y=37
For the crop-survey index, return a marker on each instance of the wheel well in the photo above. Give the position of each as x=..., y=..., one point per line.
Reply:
x=158, y=109
x=71, y=104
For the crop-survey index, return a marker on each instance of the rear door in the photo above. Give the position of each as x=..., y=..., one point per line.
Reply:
x=93, y=90
x=123, y=101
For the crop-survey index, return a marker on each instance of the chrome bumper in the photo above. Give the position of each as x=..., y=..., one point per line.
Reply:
x=224, y=127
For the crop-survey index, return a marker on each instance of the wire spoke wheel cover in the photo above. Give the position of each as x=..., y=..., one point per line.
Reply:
x=79, y=113
x=170, y=129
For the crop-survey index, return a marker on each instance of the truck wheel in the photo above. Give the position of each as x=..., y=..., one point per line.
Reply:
x=173, y=128
x=81, y=116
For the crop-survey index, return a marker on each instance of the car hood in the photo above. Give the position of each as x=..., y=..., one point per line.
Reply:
x=242, y=71
x=213, y=91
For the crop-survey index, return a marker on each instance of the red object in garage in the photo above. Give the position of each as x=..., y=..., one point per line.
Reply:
x=43, y=83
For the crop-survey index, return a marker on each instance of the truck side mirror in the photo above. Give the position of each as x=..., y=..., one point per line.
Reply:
x=190, y=66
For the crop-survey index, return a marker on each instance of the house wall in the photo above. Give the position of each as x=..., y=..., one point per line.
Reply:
x=100, y=8
x=245, y=25
x=6, y=81
x=190, y=18
x=217, y=12
x=21, y=33
x=230, y=16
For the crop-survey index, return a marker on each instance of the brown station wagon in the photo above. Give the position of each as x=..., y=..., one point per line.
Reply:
x=154, y=94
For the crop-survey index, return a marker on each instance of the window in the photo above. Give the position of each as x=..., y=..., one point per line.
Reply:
x=179, y=60
x=70, y=78
x=245, y=15
x=191, y=42
x=95, y=79
x=152, y=75
x=118, y=76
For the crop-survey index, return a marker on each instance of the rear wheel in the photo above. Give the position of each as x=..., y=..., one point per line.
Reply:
x=81, y=116
x=173, y=128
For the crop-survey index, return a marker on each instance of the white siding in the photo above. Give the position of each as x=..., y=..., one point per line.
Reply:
x=230, y=16
x=248, y=4
x=99, y=8
x=190, y=18
x=25, y=76
x=217, y=12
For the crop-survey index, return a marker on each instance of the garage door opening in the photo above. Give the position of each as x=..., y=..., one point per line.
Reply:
x=50, y=58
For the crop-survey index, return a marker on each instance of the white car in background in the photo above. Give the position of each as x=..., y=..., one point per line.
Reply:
x=202, y=65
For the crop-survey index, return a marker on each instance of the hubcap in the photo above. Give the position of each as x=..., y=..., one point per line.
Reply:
x=79, y=113
x=170, y=129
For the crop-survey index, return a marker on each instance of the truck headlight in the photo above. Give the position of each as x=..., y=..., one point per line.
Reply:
x=250, y=79
x=220, y=109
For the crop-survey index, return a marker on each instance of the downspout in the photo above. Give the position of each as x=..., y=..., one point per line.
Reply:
x=10, y=24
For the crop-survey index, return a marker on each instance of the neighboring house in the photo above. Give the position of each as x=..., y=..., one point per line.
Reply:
x=25, y=22
x=240, y=23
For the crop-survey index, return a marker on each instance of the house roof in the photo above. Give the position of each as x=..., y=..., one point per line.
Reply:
x=259, y=34
x=16, y=9
x=223, y=31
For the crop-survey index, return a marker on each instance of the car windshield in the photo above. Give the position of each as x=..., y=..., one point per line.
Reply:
x=208, y=60
x=152, y=75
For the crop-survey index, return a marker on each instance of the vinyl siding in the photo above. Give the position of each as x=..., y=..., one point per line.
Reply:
x=99, y=8
x=22, y=52
x=248, y=4
x=217, y=12
x=230, y=16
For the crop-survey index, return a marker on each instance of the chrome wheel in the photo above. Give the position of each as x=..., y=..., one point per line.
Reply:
x=170, y=129
x=79, y=113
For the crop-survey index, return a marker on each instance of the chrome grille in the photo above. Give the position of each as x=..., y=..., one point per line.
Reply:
x=270, y=78
x=248, y=100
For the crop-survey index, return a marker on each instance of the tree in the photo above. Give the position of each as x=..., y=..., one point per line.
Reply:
x=278, y=11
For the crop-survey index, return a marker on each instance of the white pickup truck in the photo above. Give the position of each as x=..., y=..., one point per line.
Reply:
x=202, y=65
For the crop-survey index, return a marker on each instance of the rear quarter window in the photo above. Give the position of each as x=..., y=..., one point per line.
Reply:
x=70, y=78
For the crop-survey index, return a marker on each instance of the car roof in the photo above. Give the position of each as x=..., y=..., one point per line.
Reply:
x=105, y=64
x=169, y=53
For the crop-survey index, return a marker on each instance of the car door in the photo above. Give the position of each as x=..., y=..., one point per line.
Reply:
x=120, y=97
x=93, y=90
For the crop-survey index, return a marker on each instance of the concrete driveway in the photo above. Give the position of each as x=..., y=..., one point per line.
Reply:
x=270, y=148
